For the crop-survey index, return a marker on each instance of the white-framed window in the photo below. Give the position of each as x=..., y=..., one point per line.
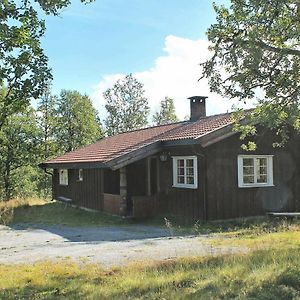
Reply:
x=63, y=177
x=185, y=173
x=80, y=175
x=255, y=170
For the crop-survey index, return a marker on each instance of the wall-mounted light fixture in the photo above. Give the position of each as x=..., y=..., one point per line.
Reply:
x=163, y=156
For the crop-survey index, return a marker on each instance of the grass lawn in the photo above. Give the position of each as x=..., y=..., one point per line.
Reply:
x=271, y=270
x=53, y=213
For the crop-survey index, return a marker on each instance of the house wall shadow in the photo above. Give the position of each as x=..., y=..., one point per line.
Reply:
x=95, y=235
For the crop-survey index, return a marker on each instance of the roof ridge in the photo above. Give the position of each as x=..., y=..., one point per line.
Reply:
x=178, y=122
x=151, y=127
x=151, y=140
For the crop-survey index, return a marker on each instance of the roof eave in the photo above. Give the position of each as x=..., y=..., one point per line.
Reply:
x=134, y=156
x=73, y=165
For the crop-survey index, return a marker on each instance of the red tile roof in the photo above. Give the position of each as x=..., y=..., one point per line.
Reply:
x=120, y=144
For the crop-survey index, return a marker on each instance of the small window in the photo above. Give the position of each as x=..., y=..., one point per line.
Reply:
x=185, y=172
x=63, y=177
x=80, y=175
x=255, y=170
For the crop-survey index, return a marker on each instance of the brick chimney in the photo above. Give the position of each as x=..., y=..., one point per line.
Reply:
x=198, y=109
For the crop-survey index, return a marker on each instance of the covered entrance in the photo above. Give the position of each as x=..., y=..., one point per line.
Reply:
x=132, y=190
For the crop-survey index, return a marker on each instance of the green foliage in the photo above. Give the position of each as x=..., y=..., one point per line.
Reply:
x=126, y=105
x=257, y=44
x=166, y=114
x=48, y=121
x=19, y=147
x=39, y=211
x=23, y=65
x=77, y=123
x=60, y=124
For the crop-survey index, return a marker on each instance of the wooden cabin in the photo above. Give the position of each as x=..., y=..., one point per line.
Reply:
x=194, y=169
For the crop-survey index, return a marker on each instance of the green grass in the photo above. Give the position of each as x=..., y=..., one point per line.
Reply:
x=271, y=270
x=42, y=211
x=272, y=273
x=53, y=213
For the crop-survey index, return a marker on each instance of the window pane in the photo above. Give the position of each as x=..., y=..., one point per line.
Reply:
x=180, y=179
x=80, y=174
x=262, y=178
x=190, y=163
x=180, y=163
x=190, y=180
x=262, y=170
x=248, y=162
x=190, y=171
x=180, y=171
x=248, y=179
x=262, y=162
x=248, y=171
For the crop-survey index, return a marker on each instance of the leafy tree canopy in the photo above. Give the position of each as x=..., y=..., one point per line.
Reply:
x=256, y=53
x=78, y=123
x=23, y=64
x=167, y=113
x=126, y=105
x=19, y=147
x=48, y=121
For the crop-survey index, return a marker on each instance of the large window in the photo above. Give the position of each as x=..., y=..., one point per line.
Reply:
x=185, y=172
x=63, y=177
x=255, y=170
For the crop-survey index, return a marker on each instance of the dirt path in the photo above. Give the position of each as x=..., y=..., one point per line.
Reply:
x=109, y=246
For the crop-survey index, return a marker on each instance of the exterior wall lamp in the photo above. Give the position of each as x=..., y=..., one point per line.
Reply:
x=163, y=156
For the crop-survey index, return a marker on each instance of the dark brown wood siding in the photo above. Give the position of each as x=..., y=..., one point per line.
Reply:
x=217, y=196
x=86, y=193
x=226, y=200
x=181, y=202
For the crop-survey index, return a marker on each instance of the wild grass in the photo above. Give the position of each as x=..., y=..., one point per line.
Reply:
x=272, y=273
x=271, y=270
x=40, y=211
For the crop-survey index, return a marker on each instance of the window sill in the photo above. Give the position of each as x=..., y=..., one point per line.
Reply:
x=63, y=184
x=194, y=187
x=255, y=186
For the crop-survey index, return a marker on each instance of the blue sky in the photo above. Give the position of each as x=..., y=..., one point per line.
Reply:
x=89, y=43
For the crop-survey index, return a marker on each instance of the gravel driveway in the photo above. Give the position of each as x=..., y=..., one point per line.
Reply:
x=109, y=246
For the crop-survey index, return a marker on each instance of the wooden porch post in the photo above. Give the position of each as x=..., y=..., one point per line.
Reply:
x=123, y=191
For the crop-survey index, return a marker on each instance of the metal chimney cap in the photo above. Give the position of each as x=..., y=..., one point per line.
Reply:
x=198, y=97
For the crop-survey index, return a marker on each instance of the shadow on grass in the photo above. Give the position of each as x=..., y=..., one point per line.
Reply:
x=77, y=225
x=264, y=274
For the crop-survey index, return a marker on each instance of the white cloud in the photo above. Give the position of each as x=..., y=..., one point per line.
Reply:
x=175, y=75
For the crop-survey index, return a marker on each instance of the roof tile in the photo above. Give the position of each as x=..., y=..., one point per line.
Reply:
x=120, y=144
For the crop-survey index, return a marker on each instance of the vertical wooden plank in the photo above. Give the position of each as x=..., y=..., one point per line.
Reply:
x=148, y=176
x=157, y=175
